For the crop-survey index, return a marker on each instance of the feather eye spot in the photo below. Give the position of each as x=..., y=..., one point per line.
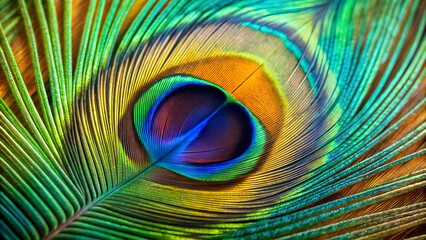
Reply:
x=198, y=130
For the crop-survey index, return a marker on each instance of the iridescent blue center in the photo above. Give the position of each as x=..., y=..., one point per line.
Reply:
x=196, y=129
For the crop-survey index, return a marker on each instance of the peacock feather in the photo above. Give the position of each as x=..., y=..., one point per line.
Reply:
x=216, y=119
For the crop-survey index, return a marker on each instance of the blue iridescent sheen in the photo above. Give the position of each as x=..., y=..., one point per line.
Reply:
x=196, y=129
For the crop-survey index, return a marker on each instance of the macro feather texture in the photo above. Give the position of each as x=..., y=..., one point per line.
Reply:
x=220, y=119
